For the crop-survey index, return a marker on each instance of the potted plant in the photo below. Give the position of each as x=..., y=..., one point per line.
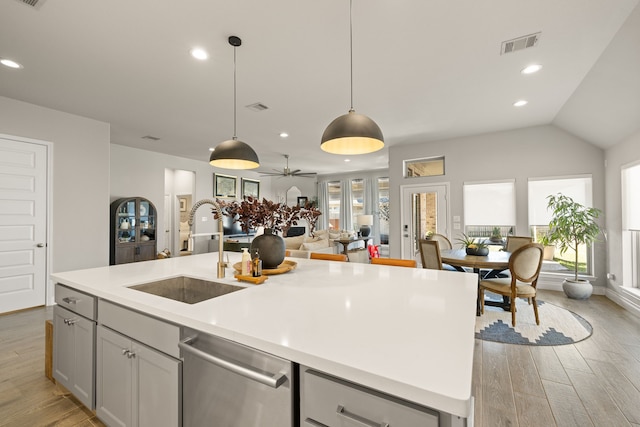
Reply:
x=549, y=248
x=472, y=247
x=572, y=225
x=496, y=235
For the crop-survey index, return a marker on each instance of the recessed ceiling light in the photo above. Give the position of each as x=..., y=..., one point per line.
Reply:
x=533, y=68
x=10, y=63
x=520, y=103
x=199, y=53
x=347, y=160
x=284, y=135
x=212, y=149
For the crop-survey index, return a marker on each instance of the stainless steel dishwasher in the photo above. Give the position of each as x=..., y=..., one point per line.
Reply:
x=226, y=384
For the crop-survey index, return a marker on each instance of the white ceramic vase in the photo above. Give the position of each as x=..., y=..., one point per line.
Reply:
x=581, y=289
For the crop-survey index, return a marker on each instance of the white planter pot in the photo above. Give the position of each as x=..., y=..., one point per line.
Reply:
x=581, y=289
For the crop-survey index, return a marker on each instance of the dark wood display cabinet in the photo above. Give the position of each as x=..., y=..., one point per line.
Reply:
x=133, y=230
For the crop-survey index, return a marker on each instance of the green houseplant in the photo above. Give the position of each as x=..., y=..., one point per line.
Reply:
x=572, y=225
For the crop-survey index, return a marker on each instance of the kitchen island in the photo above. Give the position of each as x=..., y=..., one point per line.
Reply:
x=406, y=332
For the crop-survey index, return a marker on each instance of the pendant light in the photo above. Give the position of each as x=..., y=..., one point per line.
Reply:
x=352, y=133
x=233, y=153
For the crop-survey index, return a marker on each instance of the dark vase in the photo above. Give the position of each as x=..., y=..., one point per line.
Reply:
x=271, y=248
x=478, y=251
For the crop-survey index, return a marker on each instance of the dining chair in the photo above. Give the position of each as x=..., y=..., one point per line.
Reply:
x=430, y=254
x=515, y=242
x=443, y=241
x=524, y=266
x=444, y=244
x=328, y=257
x=395, y=261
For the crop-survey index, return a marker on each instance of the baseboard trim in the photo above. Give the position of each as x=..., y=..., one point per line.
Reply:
x=624, y=301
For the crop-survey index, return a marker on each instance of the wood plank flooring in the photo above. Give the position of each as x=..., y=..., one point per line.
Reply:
x=592, y=383
x=27, y=397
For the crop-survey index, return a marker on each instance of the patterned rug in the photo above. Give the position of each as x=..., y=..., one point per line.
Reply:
x=558, y=326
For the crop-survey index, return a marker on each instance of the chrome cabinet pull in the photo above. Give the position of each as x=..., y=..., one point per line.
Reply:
x=70, y=321
x=274, y=381
x=70, y=300
x=342, y=411
x=125, y=352
x=131, y=355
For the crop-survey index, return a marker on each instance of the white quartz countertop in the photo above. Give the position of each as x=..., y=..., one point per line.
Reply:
x=405, y=331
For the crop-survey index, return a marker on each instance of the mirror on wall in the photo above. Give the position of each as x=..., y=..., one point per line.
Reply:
x=292, y=196
x=179, y=194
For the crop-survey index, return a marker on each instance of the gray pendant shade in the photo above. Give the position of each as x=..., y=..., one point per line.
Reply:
x=352, y=133
x=234, y=154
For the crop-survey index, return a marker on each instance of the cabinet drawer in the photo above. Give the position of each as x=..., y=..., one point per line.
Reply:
x=76, y=301
x=330, y=401
x=148, y=330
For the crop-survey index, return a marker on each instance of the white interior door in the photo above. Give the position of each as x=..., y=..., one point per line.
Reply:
x=423, y=208
x=23, y=223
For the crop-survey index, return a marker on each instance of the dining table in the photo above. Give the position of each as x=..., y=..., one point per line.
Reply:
x=494, y=262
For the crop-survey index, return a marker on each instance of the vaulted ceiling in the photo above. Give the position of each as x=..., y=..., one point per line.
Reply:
x=423, y=70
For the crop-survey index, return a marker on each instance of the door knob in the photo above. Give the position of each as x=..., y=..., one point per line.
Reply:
x=40, y=245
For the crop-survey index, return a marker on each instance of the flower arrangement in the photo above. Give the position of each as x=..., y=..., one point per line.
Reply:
x=253, y=213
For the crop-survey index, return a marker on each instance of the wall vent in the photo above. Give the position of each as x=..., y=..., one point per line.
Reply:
x=33, y=3
x=151, y=138
x=519, y=43
x=258, y=106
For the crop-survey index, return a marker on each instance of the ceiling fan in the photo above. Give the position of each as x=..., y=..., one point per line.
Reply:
x=289, y=172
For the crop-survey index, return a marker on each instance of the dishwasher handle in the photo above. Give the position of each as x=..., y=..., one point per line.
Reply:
x=271, y=381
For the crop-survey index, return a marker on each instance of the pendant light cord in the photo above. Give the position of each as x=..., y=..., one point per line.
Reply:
x=235, y=108
x=351, y=47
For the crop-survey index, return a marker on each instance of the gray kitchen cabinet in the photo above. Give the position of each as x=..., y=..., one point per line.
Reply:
x=136, y=385
x=327, y=401
x=74, y=332
x=74, y=338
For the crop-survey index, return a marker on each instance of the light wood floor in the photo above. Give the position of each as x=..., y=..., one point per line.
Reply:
x=592, y=383
x=27, y=397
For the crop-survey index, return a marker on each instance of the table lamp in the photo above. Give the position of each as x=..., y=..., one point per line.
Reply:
x=364, y=221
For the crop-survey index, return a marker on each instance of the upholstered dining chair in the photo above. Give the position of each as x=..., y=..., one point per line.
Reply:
x=443, y=241
x=395, y=261
x=328, y=257
x=515, y=242
x=524, y=266
x=445, y=244
x=430, y=254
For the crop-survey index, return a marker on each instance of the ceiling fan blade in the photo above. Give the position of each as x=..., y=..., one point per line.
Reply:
x=295, y=171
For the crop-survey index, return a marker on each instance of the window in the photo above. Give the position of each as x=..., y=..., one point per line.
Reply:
x=357, y=201
x=432, y=166
x=334, y=189
x=579, y=189
x=489, y=206
x=631, y=225
x=383, y=209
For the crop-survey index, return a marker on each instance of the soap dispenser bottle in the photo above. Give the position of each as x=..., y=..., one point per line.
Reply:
x=246, y=262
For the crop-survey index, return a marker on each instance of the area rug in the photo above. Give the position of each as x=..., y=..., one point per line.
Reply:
x=558, y=326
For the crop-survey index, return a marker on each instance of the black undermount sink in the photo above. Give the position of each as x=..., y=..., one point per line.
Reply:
x=186, y=289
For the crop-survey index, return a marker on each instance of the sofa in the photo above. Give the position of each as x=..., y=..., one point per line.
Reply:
x=320, y=241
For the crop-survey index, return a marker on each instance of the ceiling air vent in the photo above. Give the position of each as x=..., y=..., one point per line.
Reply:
x=258, y=106
x=32, y=3
x=151, y=138
x=519, y=43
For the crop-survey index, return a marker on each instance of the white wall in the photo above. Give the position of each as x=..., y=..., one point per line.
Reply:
x=540, y=151
x=80, y=188
x=627, y=151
